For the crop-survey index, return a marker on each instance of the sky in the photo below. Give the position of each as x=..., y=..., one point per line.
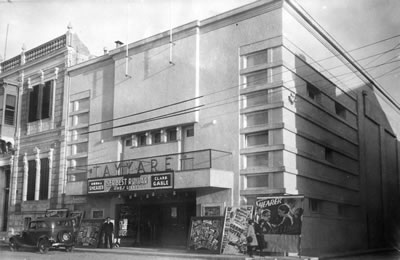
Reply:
x=353, y=23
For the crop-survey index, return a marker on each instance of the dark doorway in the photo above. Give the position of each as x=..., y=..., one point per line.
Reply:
x=159, y=221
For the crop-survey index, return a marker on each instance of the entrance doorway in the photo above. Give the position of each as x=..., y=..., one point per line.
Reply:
x=159, y=221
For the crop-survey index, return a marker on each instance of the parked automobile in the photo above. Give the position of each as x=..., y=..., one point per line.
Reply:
x=45, y=233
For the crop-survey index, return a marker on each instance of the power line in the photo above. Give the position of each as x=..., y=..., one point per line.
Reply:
x=306, y=64
x=147, y=111
x=168, y=115
x=335, y=45
x=176, y=113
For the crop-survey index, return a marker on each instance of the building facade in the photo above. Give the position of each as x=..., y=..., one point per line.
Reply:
x=253, y=102
x=32, y=124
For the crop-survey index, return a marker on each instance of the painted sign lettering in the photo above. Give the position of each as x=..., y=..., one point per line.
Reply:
x=130, y=183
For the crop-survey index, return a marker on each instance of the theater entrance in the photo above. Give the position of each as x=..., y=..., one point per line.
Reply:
x=156, y=221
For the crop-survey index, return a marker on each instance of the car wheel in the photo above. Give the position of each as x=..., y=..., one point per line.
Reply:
x=69, y=248
x=13, y=245
x=44, y=246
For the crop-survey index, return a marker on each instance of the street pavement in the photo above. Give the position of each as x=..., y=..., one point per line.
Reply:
x=168, y=254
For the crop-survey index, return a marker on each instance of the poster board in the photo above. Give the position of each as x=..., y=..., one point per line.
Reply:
x=235, y=230
x=78, y=216
x=280, y=221
x=206, y=234
x=61, y=213
x=89, y=233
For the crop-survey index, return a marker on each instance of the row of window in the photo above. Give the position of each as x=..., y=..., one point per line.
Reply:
x=157, y=136
x=79, y=120
x=316, y=95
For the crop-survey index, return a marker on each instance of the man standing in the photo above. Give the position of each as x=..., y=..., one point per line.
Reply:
x=108, y=229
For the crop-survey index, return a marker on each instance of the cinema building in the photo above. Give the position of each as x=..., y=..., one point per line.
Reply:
x=253, y=102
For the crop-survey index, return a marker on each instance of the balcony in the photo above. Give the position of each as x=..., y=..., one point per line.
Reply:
x=40, y=126
x=196, y=169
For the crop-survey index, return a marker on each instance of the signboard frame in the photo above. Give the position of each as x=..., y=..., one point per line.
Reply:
x=206, y=235
x=131, y=182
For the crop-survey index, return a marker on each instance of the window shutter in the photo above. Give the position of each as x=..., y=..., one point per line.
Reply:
x=31, y=180
x=46, y=96
x=44, y=179
x=33, y=104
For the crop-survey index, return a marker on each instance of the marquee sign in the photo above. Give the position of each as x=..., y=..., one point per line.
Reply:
x=132, y=182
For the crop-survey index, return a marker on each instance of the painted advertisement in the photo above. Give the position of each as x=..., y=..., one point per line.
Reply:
x=235, y=229
x=130, y=183
x=279, y=222
x=206, y=233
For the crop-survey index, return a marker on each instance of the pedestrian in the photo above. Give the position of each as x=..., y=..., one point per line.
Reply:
x=251, y=238
x=108, y=229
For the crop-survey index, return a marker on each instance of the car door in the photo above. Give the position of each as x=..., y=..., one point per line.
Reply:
x=30, y=234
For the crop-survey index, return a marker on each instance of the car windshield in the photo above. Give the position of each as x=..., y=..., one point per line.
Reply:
x=38, y=224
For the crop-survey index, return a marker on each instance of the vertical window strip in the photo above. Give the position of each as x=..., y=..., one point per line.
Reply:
x=44, y=179
x=31, y=180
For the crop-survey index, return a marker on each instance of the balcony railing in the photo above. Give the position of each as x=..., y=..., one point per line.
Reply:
x=188, y=161
x=34, y=54
x=46, y=48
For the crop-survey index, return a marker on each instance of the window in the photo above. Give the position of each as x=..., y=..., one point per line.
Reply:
x=257, y=58
x=257, y=98
x=79, y=105
x=314, y=205
x=313, y=93
x=128, y=142
x=78, y=134
x=190, y=131
x=328, y=155
x=257, y=139
x=340, y=110
x=141, y=139
x=44, y=179
x=98, y=213
x=257, y=118
x=9, y=115
x=39, y=102
x=256, y=79
x=80, y=119
x=31, y=180
x=257, y=160
x=79, y=162
x=78, y=148
x=156, y=137
x=257, y=181
x=171, y=134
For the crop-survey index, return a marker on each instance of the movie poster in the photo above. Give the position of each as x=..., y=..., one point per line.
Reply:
x=280, y=220
x=89, y=233
x=206, y=233
x=235, y=229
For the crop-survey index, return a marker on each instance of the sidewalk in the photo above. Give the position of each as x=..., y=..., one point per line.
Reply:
x=175, y=253
x=184, y=254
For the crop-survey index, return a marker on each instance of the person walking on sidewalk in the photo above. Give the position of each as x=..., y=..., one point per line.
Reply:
x=108, y=229
x=251, y=238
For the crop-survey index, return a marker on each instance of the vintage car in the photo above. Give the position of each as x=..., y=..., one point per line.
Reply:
x=45, y=233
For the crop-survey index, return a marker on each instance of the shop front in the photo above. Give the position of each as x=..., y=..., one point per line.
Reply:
x=151, y=202
x=158, y=219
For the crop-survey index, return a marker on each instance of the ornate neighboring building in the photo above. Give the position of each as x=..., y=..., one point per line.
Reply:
x=31, y=128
